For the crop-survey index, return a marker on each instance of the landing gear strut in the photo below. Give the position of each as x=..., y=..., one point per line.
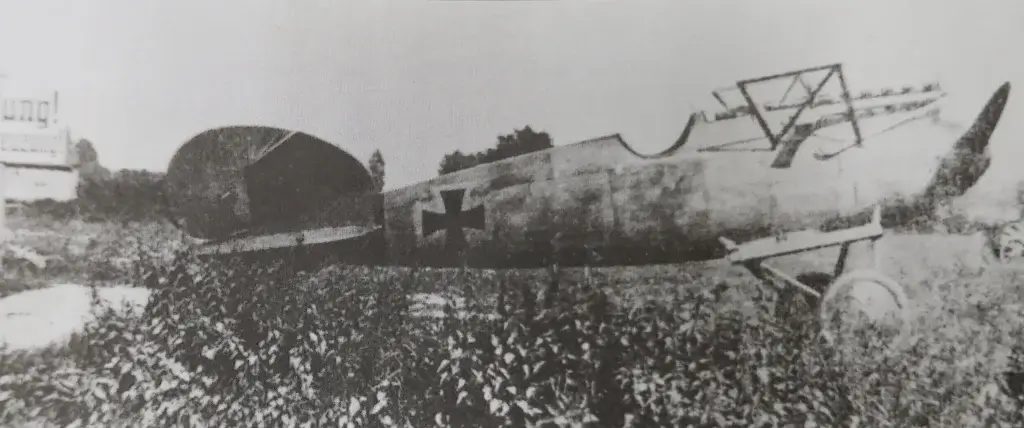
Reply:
x=856, y=267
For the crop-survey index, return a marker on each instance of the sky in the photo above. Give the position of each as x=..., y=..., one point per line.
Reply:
x=417, y=79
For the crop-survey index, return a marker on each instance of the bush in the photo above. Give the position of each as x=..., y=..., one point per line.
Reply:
x=116, y=222
x=127, y=196
x=232, y=345
x=93, y=253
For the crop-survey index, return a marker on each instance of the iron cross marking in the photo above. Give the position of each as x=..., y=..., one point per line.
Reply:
x=453, y=220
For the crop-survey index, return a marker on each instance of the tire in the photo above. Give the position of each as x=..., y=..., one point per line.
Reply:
x=845, y=282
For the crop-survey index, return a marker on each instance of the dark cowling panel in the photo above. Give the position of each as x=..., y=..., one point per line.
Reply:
x=301, y=176
x=247, y=178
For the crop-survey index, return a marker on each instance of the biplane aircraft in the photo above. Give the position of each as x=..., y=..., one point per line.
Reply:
x=756, y=181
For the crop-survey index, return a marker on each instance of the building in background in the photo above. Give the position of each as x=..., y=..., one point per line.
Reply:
x=36, y=149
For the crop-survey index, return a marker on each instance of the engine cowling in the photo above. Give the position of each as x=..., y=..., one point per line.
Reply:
x=241, y=178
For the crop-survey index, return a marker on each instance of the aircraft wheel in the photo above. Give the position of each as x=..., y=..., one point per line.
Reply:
x=829, y=306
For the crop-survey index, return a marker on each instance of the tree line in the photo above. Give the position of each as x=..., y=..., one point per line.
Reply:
x=519, y=142
x=130, y=195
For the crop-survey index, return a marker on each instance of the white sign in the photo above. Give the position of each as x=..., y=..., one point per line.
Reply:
x=39, y=148
x=27, y=111
x=26, y=105
x=35, y=112
x=29, y=130
x=31, y=184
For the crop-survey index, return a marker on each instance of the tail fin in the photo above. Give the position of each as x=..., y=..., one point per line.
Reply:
x=969, y=159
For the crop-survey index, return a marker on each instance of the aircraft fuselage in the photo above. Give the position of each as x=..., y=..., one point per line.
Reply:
x=598, y=202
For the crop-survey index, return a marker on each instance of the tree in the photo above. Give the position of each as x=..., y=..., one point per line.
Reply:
x=377, y=170
x=520, y=142
x=88, y=162
x=456, y=161
x=125, y=195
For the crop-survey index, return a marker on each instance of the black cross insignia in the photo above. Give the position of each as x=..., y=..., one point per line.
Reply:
x=453, y=220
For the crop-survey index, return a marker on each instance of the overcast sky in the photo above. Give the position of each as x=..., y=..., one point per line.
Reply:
x=421, y=78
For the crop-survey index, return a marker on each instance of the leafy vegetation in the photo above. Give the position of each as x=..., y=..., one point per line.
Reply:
x=91, y=238
x=520, y=142
x=124, y=196
x=225, y=344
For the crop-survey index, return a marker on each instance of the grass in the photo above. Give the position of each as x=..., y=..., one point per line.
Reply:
x=229, y=345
